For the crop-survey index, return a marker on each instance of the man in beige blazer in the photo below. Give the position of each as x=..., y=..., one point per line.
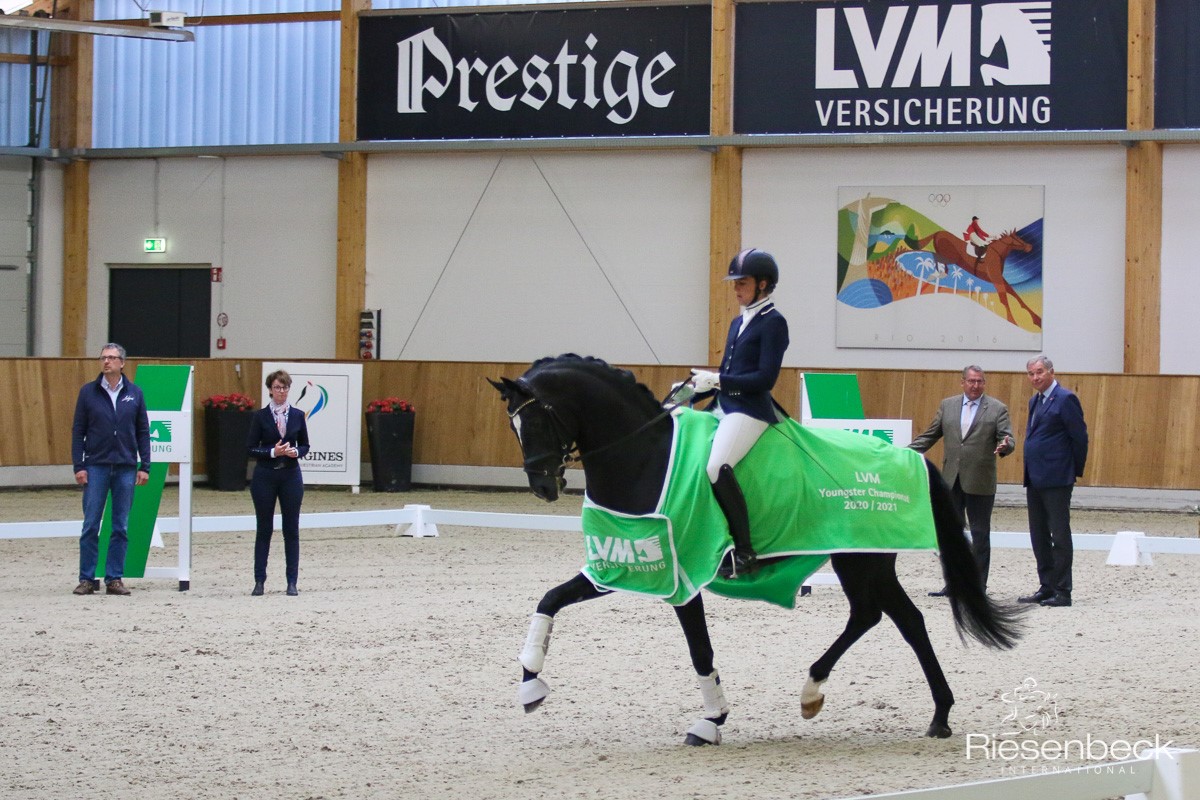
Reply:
x=975, y=429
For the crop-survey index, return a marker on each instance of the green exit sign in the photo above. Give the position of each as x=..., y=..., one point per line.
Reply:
x=155, y=245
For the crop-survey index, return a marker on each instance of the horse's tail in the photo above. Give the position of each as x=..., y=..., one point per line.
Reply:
x=975, y=614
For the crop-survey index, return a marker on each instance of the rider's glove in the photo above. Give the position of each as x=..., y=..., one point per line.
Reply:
x=705, y=381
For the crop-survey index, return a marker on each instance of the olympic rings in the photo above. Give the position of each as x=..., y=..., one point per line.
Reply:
x=940, y=198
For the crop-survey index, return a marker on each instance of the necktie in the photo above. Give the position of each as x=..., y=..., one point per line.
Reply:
x=968, y=416
x=1037, y=408
x=281, y=421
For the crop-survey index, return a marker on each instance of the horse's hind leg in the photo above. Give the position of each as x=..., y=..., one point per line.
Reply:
x=695, y=628
x=855, y=577
x=533, y=690
x=911, y=623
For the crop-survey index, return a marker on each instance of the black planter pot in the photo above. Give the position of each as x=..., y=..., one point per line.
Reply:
x=390, y=438
x=225, y=456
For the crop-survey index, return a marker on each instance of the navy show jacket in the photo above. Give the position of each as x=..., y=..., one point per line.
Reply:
x=751, y=364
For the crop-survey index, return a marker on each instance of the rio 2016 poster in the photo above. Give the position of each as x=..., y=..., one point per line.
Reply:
x=940, y=267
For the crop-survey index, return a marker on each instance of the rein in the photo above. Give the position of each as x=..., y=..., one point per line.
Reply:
x=568, y=448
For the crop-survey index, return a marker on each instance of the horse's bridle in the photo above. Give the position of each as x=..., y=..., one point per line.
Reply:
x=568, y=449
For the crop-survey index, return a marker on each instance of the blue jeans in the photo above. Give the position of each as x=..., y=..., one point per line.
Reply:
x=104, y=479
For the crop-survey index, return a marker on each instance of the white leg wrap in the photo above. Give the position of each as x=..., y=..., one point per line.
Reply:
x=715, y=703
x=532, y=693
x=537, y=642
x=707, y=730
x=811, y=698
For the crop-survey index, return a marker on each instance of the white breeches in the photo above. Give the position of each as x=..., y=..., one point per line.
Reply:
x=736, y=434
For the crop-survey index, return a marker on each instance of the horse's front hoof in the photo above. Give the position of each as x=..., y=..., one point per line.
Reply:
x=938, y=730
x=705, y=731
x=532, y=693
x=811, y=709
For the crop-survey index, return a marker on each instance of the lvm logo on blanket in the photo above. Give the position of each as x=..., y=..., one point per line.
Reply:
x=641, y=555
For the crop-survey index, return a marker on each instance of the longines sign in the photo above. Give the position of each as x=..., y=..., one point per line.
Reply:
x=885, y=66
x=615, y=71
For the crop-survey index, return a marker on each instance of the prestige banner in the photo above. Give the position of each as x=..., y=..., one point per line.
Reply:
x=892, y=66
x=614, y=71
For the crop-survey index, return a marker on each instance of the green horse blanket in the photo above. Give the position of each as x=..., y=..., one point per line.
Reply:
x=811, y=492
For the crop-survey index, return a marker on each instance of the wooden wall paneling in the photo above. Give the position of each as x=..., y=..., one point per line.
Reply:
x=351, y=278
x=1143, y=201
x=725, y=183
x=1143, y=428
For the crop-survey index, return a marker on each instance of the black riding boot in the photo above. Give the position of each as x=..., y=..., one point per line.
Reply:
x=729, y=497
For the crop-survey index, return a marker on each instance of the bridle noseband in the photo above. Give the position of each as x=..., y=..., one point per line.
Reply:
x=568, y=449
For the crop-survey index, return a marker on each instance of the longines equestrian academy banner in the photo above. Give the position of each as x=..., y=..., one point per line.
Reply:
x=887, y=66
x=625, y=71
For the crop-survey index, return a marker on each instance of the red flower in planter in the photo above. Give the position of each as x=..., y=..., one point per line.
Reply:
x=229, y=402
x=391, y=405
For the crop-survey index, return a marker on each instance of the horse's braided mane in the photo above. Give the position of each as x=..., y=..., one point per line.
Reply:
x=598, y=366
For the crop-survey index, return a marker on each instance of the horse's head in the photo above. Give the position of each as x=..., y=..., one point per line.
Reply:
x=1015, y=242
x=545, y=447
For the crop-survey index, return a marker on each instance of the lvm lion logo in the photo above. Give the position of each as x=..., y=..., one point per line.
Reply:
x=160, y=436
x=1033, y=740
x=638, y=554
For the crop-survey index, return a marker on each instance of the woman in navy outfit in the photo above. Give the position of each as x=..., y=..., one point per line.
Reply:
x=278, y=439
x=754, y=349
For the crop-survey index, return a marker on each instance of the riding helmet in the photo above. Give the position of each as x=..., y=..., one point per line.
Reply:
x=755, y=263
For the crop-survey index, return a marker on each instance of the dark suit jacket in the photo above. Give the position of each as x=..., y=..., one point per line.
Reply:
x=1056, y=441
x=264, y=436
x=970, y=459
x=751, y=364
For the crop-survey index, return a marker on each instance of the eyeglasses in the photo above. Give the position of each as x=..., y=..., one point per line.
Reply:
x=975, y=381
x=111, y=358
x=278, y=388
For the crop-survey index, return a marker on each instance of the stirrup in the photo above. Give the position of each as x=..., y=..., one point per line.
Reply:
x=737, y=564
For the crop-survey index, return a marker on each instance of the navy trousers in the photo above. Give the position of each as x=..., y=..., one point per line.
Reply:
x=286, y=486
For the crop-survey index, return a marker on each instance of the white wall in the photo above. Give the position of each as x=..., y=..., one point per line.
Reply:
x=510, y=257
x=790, y=209
x=1180, y=344
x=271, y=223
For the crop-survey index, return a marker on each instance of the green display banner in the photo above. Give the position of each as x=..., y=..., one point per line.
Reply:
x=164, y=387
x=833, y=396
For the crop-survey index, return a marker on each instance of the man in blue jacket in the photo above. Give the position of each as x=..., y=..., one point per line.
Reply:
x=110, y=448
x=1056, y=447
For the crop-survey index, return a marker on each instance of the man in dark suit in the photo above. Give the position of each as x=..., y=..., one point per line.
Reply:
x=1056, y=446
x=975, y=429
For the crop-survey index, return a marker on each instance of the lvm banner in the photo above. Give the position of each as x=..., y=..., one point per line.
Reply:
x=613, y=71
x=892, y=66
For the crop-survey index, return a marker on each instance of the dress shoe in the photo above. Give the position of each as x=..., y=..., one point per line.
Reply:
x=258, y=589
x=938, y=593
x=117, y=586
x=1036, y=597
x=1059, y=600
x=291, y=590
x=84, y=587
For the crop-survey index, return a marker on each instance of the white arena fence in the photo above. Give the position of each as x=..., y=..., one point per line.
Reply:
x=1165, y=774
x=1126, y=548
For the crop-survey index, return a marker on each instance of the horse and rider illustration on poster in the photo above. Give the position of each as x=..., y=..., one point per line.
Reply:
x=940, y=267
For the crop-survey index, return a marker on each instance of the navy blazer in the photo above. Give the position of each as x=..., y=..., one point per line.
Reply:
x=264, y=436
x=1056, y=441
x=751, y=364
x=102, y=434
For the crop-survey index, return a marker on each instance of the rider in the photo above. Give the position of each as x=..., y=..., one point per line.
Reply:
x=977, y=236
x=754, y=351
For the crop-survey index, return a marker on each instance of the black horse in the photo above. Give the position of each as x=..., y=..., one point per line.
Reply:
x=572, y=404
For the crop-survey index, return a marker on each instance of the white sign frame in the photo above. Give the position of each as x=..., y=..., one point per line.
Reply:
x=333, y=405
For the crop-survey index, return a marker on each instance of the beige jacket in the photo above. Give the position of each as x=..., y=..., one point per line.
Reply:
x=970, y=460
